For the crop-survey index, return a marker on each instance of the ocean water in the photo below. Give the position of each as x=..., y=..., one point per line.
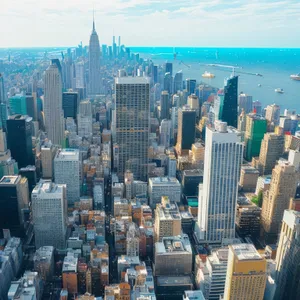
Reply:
x=276, y=66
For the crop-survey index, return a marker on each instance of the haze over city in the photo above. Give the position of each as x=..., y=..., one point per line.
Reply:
x=221, y=23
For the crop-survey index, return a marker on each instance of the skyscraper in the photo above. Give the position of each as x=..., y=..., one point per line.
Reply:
x=94, y=63
x=164, y=105
x=273, y=114
x=218, y=194
x=3, y=104
x=19, y=129
x=165, y=133
x=47, y=156
x=277, y=198
x=186, y=129
x=256, y=127
x=54, y=122
x=132, y=121
x=230, y=105
x=178, y=82
x=70, y=103
x=8, y=166
x=272, y=146
x=168, y=83
x=49, y=214
x=2, y=92
x=85, y=119
x=245, y=103
x=17, y=105
x=191, y=86
x=246, y=273
x=168, y=68
x=288, y=257
x=67, y=171
x=14, y=198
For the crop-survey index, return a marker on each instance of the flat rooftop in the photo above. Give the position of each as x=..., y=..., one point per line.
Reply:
x=245, y=252
x=164, y=180
x=132, y=80
x=8, y=180
x=173, y=280
x=67, y=154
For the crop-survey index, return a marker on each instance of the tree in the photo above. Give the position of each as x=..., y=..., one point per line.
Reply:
x=260, y=198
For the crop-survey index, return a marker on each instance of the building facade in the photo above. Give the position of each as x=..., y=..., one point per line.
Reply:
x=19, y=129
x=277, y=198
x=246, y=273
x=94, y=63
x=53, y=110
x=67, y=171
x=218, y=194
x=132, y=121
x=49, y=214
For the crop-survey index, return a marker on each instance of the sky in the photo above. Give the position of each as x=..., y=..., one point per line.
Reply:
x=195, y=23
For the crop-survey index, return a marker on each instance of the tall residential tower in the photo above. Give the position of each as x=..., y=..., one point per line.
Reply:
x=218, y=194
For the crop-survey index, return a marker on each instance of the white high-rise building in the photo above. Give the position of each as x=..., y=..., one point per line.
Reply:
x=49, y=214
x=219, y=191
x=94, y=63
x=132, y=121
x=165, y=133
x=54, y=119
x=67, y=171
x=85, y=119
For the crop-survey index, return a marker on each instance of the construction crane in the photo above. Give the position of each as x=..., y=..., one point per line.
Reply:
x=181, y=62
x=233, y=69
x=225, y=66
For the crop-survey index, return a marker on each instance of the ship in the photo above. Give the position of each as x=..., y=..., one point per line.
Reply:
x=280, y=91
x=295, y=77
x=208, y=75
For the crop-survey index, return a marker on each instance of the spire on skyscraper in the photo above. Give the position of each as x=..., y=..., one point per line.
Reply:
x=93, y=20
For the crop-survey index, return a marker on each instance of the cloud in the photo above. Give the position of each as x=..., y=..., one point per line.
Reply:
x=151, y=22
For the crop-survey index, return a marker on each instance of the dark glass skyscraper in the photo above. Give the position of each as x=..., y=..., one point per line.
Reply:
x=164, y=105
x=230, y=104
x=19, y=129
x=169, y=68
x=186, y=129
x=70, y=104
x=14, y=198
x=191, y=86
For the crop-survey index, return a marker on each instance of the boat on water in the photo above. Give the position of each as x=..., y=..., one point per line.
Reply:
x=257, y=74
x=280, y=91
x=259, y=85
x=295, y=77
x=208, y=75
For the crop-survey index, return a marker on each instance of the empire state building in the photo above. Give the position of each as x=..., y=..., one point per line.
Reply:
x=94, y=63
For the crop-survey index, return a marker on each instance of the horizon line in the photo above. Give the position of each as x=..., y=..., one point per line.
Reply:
x=180, y=47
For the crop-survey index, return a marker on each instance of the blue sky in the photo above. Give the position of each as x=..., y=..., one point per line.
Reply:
x=228, y=23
